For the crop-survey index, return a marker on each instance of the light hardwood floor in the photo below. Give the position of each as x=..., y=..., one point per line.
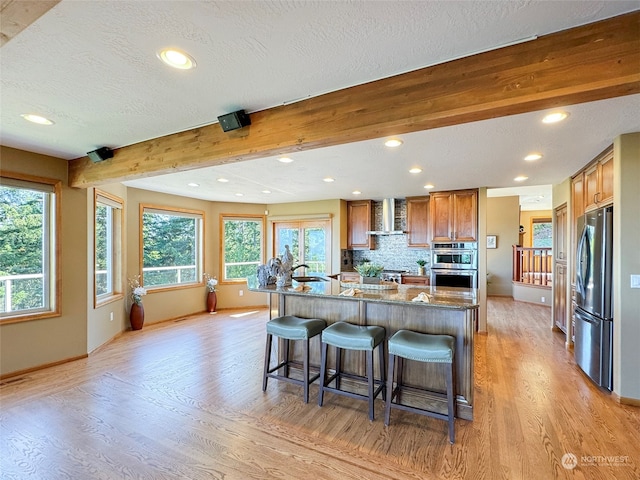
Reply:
x=183, y=400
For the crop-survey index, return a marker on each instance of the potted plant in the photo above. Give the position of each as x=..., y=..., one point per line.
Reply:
x=369, y=272
x=212, y=298
x=136, y=315
x=421, y=264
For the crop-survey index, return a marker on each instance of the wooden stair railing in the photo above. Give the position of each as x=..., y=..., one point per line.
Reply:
x=532, y=265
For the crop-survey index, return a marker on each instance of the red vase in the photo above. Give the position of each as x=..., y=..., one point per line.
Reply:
x=136, y=316
x=212, y=300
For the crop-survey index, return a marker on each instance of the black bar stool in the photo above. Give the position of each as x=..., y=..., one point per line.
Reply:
x=422, y=347
x=346, y=336
x=291, y=328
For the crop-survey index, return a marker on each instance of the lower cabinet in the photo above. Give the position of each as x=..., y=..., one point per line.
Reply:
x=415, y=280
x=349, y=277
x=560, y=296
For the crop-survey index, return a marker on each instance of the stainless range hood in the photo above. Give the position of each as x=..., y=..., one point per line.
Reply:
x=388, y=219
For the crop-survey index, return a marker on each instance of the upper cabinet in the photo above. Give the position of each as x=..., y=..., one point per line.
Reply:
x=359, y=222
x=598, y=182
x=418, y=222
x=454, y=216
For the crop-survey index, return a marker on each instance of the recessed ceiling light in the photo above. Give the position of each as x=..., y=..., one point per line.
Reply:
x=176, y=58
x=36, y=119
x=266, y=191
x=533, y=157
x=193, y=184
x=393, y=142
x=555, y=117
x=239, y=194
x=285, y=160
x=223, y=180
x=357, y=192
x=428, y=186
x=521, y=178
x=328, y=179
x=415, y=170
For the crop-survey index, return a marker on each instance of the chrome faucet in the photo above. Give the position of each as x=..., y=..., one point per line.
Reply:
x=298, y=266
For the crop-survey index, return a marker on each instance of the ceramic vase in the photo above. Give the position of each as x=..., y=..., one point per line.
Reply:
x=212, y=300
x=136, y=316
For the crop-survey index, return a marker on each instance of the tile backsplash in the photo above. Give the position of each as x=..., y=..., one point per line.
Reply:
x=391, y=250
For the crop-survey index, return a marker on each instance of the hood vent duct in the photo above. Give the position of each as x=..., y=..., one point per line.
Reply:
x=388, y=219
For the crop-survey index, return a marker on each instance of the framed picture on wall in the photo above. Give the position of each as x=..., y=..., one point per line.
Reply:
x=492, y=241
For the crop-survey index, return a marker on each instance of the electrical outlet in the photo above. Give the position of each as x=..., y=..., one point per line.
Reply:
x=542, y=299
x=241, y=292
x=635, y=281
x=111, y=316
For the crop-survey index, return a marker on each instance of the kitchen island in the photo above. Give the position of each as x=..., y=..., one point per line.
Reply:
x=449, y=311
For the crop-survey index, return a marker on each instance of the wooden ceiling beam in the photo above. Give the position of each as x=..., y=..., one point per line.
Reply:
x=16, y=15
x=583, y=64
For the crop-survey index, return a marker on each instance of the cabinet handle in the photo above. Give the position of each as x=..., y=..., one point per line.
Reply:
x=595, y=197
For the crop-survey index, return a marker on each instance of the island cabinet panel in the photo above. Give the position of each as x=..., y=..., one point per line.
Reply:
x=454, y=216
x=359, y=222
x=418, y=222
x=449, y=311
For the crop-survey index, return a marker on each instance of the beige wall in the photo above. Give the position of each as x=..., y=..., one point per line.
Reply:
x=33, y=343
x=502, y=220
x=626, y=233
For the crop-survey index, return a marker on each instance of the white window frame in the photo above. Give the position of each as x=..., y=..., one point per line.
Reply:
x=115, y=218
x=240, y=218
x=199, y=218
x=51, y=240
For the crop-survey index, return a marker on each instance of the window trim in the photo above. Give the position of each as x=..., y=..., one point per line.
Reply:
x=239, y=216
x=534, y=220
x=301, y=224
x=159, y=209
x=55, y=224
x=114, y=202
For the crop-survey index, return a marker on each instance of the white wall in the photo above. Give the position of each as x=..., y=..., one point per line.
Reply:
x=502, y=221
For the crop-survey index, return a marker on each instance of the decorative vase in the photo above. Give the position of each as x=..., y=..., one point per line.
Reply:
x=136, y=316
x=421, y=270
x=212, y=300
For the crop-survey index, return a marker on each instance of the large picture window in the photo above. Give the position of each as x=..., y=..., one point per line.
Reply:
x=108, y=247
x=28, y=263
x=242, y=246
x=171, y=246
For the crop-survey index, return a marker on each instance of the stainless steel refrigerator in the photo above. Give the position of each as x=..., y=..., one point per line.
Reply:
x=593, y=335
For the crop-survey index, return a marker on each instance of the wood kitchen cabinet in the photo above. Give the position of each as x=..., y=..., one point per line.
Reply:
x=415, y=280
x=454, y=216
x=560, y=235
x=598, y=182
x=359, y=222
x=350, y=277
x=560, y=296
x=418, y=222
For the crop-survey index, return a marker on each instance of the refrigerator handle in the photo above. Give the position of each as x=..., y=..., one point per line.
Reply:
x=583, y=264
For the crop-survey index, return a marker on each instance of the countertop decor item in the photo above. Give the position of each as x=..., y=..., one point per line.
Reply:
x=421, y=268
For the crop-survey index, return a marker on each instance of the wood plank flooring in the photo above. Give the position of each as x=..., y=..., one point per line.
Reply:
x=183, y=400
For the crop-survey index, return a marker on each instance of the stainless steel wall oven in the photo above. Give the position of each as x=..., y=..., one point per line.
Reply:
x=454, y=264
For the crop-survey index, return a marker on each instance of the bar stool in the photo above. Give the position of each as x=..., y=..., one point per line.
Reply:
x=345, y=336
x=421, y=347
x=291, y=328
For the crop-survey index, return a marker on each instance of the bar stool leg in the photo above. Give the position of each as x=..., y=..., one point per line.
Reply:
x=400, y=379
x=387, y=404
x=287, y=342
x=383, y=370
x=371, y=381
x=323, y=372
x=267, y=359
x=306, y=371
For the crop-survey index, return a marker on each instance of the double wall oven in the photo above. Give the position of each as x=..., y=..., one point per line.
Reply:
x=454, y=264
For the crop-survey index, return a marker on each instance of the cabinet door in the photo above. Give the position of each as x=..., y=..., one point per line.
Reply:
x=418, y=222
x=415, y=280
x=605, y=195
x=591, y=188
x=359, y=221
x=349, y=277
x=441, y=216
x=560, y=235
x=577, y=196
x=465, y=215
x=560, y=297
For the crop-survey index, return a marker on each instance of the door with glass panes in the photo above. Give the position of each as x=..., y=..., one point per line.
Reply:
x=309, y=243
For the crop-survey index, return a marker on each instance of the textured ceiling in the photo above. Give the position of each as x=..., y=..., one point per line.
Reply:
x=91, y=67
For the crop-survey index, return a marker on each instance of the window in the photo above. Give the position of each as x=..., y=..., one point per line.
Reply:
x=242, y=246
x=541, y=233
x=29, y=213
x=108, y=247
x=171, y=246
x=309, y=243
